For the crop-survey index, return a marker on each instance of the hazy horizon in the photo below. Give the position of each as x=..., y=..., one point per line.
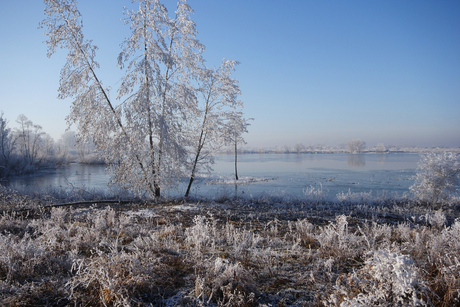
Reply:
x=311, y=72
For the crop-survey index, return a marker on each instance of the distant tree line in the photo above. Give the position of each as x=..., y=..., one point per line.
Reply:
x=27, y=148
x=352, y=147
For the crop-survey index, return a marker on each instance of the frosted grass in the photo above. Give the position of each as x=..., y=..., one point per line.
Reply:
x=232, y=253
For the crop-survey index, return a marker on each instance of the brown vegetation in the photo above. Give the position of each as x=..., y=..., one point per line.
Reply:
x=234, y=253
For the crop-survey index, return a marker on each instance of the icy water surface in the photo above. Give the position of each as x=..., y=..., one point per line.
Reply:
x=292, y=175
x=73, y=176
x=298, y=174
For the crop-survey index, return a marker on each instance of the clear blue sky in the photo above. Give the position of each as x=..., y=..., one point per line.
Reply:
x=311, y=71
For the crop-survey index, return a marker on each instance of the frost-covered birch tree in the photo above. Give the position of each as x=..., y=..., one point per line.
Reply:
x=164, y=58
x=236, y=126
x=218, y=102
x=148, y=135
x=138, y=136
x=93, y=112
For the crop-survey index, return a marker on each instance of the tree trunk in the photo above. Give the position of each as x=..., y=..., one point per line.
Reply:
x=189, y=185
x=157, y=191
x=236, y=160
x=201, y=142
x=192, y=176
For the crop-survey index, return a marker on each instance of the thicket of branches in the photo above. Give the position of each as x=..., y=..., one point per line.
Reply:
x=437, y=179
x=171, y=112
x=27, y=148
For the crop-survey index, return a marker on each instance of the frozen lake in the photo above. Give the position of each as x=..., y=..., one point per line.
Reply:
x=290, y=175
x=297, y=174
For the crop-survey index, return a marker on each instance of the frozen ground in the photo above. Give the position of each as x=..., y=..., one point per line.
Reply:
x=259, y=252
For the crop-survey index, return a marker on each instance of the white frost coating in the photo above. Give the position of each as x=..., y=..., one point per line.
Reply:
x=172, y=110
x=240, y=181
x=220, y=116
x=164, y=58
x=387, y=279
x=437, y=177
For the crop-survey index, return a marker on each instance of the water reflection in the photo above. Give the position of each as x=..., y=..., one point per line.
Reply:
x=381, y=158
x=287, y=174
x=67, y=177
x=298, y=159
x=356, y=161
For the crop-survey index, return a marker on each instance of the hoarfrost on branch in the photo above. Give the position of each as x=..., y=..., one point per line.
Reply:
x=171, y=112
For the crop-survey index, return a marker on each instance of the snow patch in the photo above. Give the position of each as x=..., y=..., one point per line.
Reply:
x=185, y=207
x=240, y=181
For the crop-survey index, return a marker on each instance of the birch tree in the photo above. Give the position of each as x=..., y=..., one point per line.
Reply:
x=235, y=127
x=219, y=93
x=164, y=58
x=92, y=111
x=147, y=135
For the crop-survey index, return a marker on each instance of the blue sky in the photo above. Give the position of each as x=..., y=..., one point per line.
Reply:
x=311, y=71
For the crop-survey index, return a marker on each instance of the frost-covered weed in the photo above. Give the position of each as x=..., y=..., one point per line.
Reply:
x=303, y=232
x=385, y=196
x=59, y=216
x=199, y=236
x=167, y=238
x=229, y=254
x=335, y=239
x=226, y=283
x=437, y=220
x=403, y=232
x=304, y=227
x=313, y=194
x=116, y=277
x=438, y=175
x=353, y=197
x=387, y=279
x=244, y=240
x=10, y=199
x=444, y=263
x=376, y=236
x=24, y=259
